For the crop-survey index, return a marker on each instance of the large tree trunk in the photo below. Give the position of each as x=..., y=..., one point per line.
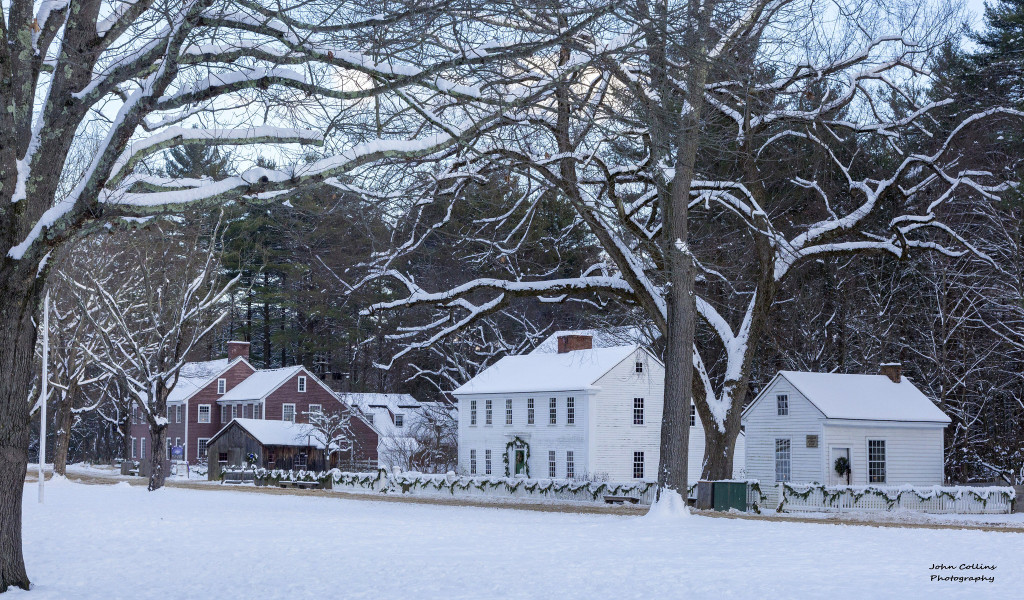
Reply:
x=62, y=422
x=158, y=438
x=720, y=449
x=18, y=305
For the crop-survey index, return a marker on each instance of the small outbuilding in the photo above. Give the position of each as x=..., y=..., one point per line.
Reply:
x=275, y=445
x=841, y=429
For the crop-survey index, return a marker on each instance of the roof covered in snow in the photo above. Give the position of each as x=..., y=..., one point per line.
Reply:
x=276, y=433
x=379, y=400
x=577, y=370
x=259, y=384
x=194, y=376
x=865, y=397
x=608, y=337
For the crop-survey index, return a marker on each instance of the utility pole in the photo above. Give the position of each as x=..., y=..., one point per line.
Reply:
x=45, y=393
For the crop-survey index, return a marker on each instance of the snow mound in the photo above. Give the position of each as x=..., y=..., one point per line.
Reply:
x=669, y=507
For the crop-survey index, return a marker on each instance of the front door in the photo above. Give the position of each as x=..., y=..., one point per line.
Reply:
x=834, y=477
x=520, y=462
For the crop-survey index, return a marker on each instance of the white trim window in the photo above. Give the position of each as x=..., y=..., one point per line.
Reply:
x=167, y=453
x=204, y=413
x=399, y=420
x=530, y=413
x=177, y=441
x=570, y=464
x=570, y=411
x=203, y=447
x=472, y=412
x=876, y=461
x=288, y=412
x=639, y=366
x=302, y=383
x=638, y=465
x=234, y=411
x=782, y=405
x=256, y=411
x=693, y=415
x=222, y=386
x=553, y=411
x=638, y=411
x=317, y=409
x=133, y=448
x=552, y=463
x=508, y=411
x=488, y=412
x=487, y=462
x=177, y=415
x=783, y=459
x=472, y=462
x=142, y=448
x=224, y=414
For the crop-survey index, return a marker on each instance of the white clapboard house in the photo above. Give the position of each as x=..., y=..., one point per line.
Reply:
x=888, y=432
x=580, y=412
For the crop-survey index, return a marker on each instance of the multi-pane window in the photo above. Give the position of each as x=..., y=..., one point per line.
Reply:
x=224, y=410
x=570, y=464
x=472, y=462
x=222, y=386
x=488, y=412
x=638, y=465
x=288, y=412
x=204, y=413
x=256, y=411
x=167, y=454
x=487, y=462
x=783, y=456
x=876, y=461
x=302, y=383
x=552, y=463
x=782, y=403
x=508, y=411
x=170, y=414
x=693, y=415
x=234, y=411
x=553, y=411
x=399, y=420
x=316, y=409
x=202, y=447
x=638, y=411
x=142, y=448
x=472, y=412
x=529, y=411
x=639, y=367
x=177, y=414
x=133, y=448
x=570, y=410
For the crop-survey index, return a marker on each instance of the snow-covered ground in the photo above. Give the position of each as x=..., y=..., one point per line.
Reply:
x=119, y=541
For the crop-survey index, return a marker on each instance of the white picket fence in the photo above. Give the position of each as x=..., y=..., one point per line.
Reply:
x=927, y=499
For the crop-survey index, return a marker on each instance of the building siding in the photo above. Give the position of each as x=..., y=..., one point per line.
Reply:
x=913, y=454
x=763, y=426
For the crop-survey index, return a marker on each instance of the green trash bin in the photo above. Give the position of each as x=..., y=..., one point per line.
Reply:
x=731, y=494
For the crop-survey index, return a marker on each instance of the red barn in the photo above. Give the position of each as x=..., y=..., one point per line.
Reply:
x=210, y=394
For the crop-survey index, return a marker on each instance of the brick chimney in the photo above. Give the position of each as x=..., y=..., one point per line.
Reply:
x=236, y=349
x=570, y=343
x=893, y=371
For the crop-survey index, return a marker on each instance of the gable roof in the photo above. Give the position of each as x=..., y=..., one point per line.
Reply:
x=864, y=397
x=194, y=376
x=569, y=371
x=366, y=401
x=260, y=384
x=275, y=433
x=608, y=337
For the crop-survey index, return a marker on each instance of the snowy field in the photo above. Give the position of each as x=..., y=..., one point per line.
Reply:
x=119, y=541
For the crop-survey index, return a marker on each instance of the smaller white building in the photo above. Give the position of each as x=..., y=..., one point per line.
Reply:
x=882, y=426
x=395, y=417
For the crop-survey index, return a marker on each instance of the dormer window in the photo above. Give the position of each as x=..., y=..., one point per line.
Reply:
x=399, y=420
x=222, y=386
x=639, y=367
x=302, y=383
x=782, y=404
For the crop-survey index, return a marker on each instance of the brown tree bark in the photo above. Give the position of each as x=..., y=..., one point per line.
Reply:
x=62, y=424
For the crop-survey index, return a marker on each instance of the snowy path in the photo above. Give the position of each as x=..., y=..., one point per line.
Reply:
x=118, y=541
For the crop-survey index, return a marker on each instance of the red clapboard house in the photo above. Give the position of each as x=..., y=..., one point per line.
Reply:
x=210, y=394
